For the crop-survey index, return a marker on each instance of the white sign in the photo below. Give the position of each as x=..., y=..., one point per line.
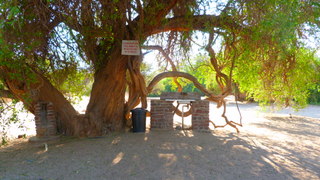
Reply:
x=130, y=47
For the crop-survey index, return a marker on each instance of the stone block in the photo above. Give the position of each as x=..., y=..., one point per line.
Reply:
x=180, y=96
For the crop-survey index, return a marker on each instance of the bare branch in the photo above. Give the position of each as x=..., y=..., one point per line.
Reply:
x=219, y=74
x=159, y=77
x=166, y=56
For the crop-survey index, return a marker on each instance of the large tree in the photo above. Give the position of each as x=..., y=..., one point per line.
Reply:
x=43, y=42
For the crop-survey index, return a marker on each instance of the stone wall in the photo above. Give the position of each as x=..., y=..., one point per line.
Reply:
x=161, y=114
x=200, y=115
x=45, y=119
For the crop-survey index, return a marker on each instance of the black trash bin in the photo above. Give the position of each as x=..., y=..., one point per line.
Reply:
x=138, y=120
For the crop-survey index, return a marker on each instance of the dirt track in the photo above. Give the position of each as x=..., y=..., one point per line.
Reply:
x=270, y=146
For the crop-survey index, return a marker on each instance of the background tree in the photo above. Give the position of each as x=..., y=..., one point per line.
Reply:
x=45, y=42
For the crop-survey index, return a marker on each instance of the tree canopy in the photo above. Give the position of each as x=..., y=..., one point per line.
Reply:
x=50, y=49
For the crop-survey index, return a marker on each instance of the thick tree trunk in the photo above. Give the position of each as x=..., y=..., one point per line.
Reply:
x=43, y=91
x=106, y=108
x=65, y=112
x=107, y=102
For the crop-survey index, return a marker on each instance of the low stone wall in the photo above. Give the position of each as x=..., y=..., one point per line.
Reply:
x=162, y=114
x=200, y=115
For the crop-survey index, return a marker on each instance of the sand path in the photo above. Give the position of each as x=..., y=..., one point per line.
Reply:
x=270, y=146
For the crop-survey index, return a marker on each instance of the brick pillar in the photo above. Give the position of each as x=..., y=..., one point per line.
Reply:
x=161, y=114
x=200, y=115
x=45, y=120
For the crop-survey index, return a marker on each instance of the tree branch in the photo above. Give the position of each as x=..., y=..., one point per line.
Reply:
x=6, y=94
x=166, y=56
x=157, y=10
x=159, y=77
x=226, y=89
x=200, y=22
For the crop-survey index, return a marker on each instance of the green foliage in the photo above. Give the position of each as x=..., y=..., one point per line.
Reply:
x=60, y=63
x=168, y=85
x=278, y=84
x=314, y=97
x=314, y=92
x=73, y=83
x=8, y=116
x=201, y=68
x=281, y=86
x=272, y=65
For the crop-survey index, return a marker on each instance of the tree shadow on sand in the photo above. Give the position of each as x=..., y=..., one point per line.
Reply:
x=156, y=154
x=298, y=139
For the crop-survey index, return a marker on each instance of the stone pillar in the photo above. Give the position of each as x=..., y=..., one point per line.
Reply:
x=45, y=120
x=200, y=115
x=161, y=114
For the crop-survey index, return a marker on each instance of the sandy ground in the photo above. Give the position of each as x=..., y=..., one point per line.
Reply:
x=269, y=146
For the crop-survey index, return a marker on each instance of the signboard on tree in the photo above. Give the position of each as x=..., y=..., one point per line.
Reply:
x=130, y=47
